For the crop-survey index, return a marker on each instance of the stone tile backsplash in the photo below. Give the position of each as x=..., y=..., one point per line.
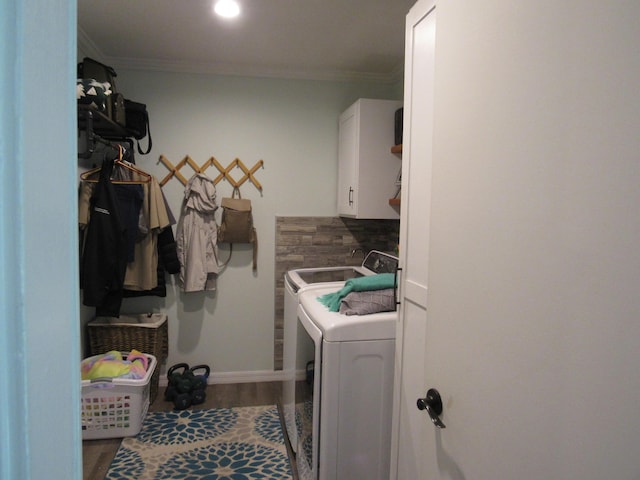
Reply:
x=303, y=242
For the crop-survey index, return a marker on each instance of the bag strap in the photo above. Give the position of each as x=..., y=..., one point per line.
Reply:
x=236, y=190
x=215, y=254
x=146, y=118
x=255, y=253
x=255, y=250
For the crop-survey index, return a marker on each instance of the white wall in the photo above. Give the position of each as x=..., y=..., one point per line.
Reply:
x=292, y=126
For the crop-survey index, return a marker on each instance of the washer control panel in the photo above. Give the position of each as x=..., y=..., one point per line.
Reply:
x=380, y=262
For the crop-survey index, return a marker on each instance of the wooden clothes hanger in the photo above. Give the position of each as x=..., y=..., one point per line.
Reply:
x=86, y=176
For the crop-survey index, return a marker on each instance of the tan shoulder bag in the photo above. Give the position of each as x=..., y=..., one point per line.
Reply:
x=236, y=225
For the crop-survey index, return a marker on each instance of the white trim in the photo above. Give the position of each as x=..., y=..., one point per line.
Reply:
x=238, y=377
x=219, y=68
x=87, y=47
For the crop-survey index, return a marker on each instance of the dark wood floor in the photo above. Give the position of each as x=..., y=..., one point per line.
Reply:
x=98, y=454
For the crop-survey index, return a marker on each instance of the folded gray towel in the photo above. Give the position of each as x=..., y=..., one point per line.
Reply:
x=365, y=303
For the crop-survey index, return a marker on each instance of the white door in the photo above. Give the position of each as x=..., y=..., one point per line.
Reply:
x=410, y=429
x=530, y=326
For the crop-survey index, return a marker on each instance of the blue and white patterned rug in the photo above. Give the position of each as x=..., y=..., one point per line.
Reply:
x=222, y=443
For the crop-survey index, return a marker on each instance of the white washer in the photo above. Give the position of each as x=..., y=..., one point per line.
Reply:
x=295, y=282
x=344, y=406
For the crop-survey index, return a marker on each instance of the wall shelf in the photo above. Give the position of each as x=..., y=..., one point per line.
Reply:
x=97, y=128
x=99, y=123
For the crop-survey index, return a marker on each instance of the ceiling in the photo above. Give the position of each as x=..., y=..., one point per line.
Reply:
x=305, y=39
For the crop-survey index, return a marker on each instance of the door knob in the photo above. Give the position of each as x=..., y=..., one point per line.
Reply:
x=432, y=403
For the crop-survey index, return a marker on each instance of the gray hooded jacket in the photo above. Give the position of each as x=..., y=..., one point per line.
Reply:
x=197, y=236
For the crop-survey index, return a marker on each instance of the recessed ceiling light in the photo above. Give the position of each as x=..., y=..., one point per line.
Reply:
x=227, y=8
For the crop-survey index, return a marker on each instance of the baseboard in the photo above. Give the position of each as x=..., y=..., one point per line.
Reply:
x=238, y=377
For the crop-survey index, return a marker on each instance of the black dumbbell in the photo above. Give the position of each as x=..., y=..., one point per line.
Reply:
x=198, y=396
x=170, y=393
x=182, y=401
x=186, y=383
x=175, y=377
x=200, y=379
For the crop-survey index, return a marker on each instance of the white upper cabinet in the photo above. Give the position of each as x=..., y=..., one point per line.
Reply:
x=367, y=170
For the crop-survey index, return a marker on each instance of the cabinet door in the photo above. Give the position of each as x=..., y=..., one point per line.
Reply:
x=347, y=163
x=367, y=169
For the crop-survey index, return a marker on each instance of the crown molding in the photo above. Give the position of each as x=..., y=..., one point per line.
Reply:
x=123, y=63
x=87, y=47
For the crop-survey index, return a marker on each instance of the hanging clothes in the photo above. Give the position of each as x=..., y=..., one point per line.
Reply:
x=104, y=257
x=197, y=236
x=130, y=199
x=167, y=259
x=144, y=215
x=167, y=262
x=142, y=273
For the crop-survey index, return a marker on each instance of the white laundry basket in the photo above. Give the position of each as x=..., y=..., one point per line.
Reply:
x=114, y=407
x=146, y=332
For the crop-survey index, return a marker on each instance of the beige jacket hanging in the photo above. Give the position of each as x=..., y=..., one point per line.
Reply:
x=142, y=273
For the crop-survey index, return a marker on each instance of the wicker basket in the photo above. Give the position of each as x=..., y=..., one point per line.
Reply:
x=146, y=332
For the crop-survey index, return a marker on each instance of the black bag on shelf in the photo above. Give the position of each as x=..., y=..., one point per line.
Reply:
x=118, y=111
x=137, y=125
x=90, y=69
x=93, y=94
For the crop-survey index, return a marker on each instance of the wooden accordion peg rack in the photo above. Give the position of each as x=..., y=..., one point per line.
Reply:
x=224, y=172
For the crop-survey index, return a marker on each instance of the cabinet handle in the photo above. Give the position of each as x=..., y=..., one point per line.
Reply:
x=432, y=403
x=350, y=196
x=396, y=287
